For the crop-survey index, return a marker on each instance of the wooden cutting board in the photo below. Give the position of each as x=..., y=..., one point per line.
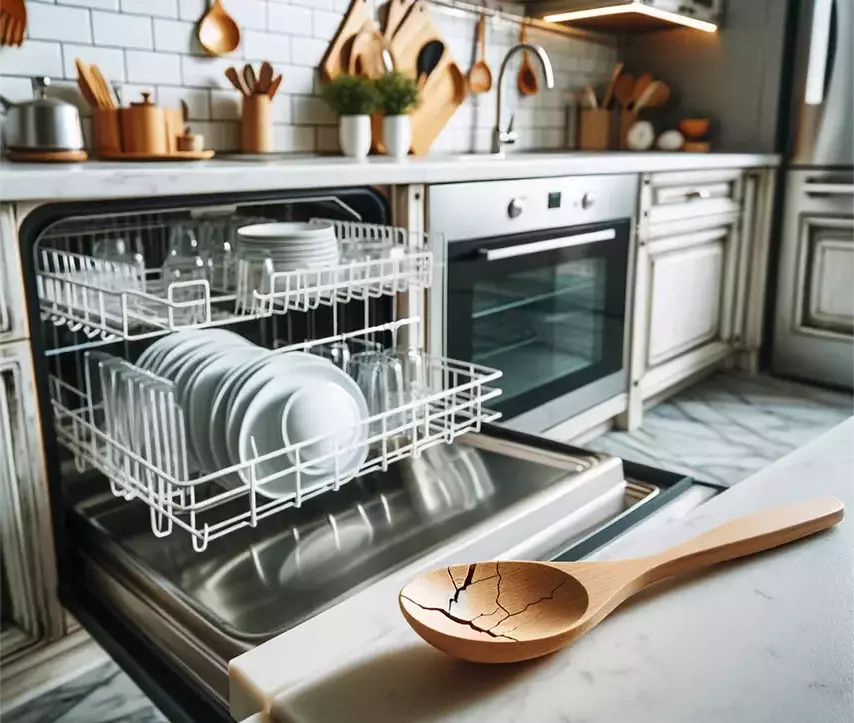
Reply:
x=412, y=35
x=444, y=92
x=335, y=59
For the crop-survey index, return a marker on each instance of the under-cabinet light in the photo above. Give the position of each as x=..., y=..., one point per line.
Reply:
x=652, y=12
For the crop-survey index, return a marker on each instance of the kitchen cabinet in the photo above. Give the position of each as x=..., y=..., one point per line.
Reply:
x=31, y=612
x=699, y=280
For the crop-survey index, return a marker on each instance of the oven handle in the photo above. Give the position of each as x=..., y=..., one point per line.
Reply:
x=549, y=245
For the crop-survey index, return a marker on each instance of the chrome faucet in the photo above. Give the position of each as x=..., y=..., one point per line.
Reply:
x=499, y=137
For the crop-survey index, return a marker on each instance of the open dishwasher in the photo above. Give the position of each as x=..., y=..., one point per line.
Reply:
x=176, y=568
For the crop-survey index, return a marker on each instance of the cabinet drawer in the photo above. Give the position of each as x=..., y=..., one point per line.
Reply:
x=13, y=324
x=672, y=197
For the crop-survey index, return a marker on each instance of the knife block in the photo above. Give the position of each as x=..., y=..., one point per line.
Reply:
x=256, y=124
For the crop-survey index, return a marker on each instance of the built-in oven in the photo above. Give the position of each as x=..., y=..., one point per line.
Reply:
x=534, y=282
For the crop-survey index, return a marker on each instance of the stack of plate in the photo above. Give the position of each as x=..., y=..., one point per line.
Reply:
x=290, y=246
x=242, y=402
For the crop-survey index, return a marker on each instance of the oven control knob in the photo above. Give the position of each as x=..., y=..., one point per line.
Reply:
x=514, y=210
x=587, y=200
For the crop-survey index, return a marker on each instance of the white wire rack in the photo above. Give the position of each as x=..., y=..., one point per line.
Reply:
x=112, y=291
x=130, y=425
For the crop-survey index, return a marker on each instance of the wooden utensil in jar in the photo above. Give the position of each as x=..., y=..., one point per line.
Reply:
x=265, y=78
x=609, y=93
x=641, y=84
x=527, y=80
x=624, y=90
x=249, y=79
x=217, y=32
x=274, y=86
x=13, y=22
x=542, y=606
x=235, y=79
x=480, y=75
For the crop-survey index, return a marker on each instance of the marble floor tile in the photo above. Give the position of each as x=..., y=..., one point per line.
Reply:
x=729, y=426
x=104, y=695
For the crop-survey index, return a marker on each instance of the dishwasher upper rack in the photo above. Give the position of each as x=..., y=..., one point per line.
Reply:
x=142, y=448
x=116, y=295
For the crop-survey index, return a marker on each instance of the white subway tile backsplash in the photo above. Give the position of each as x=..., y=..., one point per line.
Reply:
x=34, y=57
x=175, y=36
x=160, y=8
x=58, y=22
x=151, y=45
x=289, y=19
x=258, y=45
x=149, y=67
x=122, y=31
x=110, y=61
x=307, y=51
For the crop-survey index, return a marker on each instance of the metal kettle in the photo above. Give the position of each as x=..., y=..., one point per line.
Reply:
x=41, y=124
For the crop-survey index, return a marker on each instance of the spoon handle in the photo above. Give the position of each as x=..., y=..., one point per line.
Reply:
x=746, y=536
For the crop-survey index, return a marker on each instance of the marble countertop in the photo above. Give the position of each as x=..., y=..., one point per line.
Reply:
x=42, y=182
x=767, y=638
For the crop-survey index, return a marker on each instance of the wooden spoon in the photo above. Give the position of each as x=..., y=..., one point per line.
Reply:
x=232, y=74
x=646, y=97
x=104, y=91
x=609, y=93
x=480, y=76
x=217, y=31
x=660, y=96
x=641, y=84
x=13, y=22
x=542, y=606
x=624, y=90
x=274, y=86
x=528, y=82
x=265, y=78
x=249, y=79
x=87, y=84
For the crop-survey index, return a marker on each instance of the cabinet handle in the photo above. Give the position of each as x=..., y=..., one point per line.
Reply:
x=818, y=54
x=548, y=245
x=698, y=194
x=829, y=189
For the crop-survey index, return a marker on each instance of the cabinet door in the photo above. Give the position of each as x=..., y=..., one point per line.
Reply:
x=686, y=294
x=686, y=288
x=30, y=611
x=13, y=324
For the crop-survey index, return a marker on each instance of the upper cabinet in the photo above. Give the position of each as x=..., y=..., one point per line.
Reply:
x=630, y=16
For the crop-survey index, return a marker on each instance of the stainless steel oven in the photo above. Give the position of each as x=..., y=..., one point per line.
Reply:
x=534, y=281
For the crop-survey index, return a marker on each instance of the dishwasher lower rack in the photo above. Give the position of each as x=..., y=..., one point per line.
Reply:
x=146, y=275
x=130, y=425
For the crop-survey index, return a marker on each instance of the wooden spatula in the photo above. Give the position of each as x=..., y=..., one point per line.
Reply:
x=505, y=612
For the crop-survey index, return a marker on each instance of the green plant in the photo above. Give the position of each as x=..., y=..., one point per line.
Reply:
x=350, y=95
x=398, y=93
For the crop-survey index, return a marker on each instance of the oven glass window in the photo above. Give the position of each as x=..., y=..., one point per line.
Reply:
x=540, y=325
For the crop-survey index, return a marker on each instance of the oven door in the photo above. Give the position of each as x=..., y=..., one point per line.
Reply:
x=549, y=310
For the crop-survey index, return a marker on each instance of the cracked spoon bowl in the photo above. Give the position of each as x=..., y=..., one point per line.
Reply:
x=506, y=612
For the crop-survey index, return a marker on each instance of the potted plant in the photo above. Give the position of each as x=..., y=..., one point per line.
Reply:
x=353, y=98
x=397, y=96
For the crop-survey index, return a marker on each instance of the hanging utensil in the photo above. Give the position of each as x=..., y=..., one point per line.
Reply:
x=13, y=22
x=395, y=12
x=234, y=77
x=554, y=603
x=527, y=80
x=609, y=93
x=480, y=75
x=249, y=79
x=217, y=32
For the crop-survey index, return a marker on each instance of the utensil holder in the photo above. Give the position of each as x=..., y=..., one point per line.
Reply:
x=627, y=120
x=256, y=125
x=106, y=133
x=594, y=129
x=144, y=130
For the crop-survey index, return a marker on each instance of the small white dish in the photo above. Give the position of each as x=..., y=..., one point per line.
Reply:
x=285, y=230
x=326, y=412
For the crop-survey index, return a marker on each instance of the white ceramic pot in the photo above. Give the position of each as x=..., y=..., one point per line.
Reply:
x=397, y=135
x=354, y=135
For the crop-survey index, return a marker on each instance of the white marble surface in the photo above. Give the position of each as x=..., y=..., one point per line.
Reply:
x=768, y=638
x=42, y=182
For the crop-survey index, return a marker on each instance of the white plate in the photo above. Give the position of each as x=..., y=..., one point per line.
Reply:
x=219, y=410
x=184, y=341
x=276, y=366
x=201, y=393
x=285, y=230
x=268, y=404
